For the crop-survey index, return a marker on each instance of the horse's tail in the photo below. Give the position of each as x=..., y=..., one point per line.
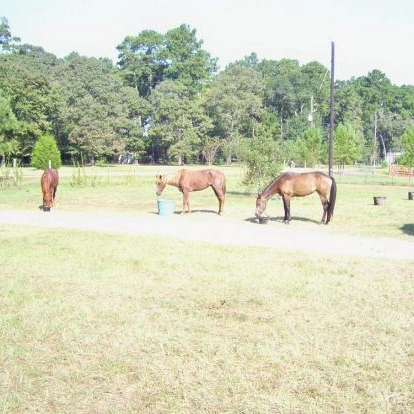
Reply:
x=224, y=185
x=332, y=198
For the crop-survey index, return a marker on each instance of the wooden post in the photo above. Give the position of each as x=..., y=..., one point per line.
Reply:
x=50, y=164
x=332, y=110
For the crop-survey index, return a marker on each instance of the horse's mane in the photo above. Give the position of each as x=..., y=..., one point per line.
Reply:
x=269, y=186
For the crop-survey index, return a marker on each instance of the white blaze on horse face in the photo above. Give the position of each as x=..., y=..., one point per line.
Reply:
x=259, y=207
x=160, y=183
x=261, y=204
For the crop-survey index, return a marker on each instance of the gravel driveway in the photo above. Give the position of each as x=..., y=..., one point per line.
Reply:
x=214, y=229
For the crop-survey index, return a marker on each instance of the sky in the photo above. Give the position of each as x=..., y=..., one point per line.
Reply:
x=368, y=34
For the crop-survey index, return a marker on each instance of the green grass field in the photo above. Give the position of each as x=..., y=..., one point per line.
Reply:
x=96, y=323
x=93, y=323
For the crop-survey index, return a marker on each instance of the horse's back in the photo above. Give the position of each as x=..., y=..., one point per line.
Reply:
x=303, y=184
x=50, y=178
x=201, y=179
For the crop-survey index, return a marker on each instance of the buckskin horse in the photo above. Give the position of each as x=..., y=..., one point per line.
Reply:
x=291, y=184
x=49, y=183
x=187, y=181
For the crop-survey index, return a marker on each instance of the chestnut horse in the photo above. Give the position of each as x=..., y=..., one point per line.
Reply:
x=49, y=183
x=187, y=181
x=291, y=184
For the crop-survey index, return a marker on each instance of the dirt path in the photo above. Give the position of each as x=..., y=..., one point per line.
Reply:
x=221, y=230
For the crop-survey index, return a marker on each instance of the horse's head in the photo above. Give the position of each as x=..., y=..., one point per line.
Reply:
x=160, y=183
x=47, y=200
x=261, y=203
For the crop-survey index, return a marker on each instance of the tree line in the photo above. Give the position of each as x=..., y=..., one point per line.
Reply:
x=166, y=101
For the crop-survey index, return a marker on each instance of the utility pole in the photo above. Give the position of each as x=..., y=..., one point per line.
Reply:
x=374, y=144
x=332, y=110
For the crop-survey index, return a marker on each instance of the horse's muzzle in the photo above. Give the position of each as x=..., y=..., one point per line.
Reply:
x=158, y=193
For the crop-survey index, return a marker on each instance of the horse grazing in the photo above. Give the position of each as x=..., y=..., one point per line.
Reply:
x=187, y=181
x=291, y=184
x=49, y=183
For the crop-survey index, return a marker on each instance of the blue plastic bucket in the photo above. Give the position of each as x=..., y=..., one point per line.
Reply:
x=165, y=207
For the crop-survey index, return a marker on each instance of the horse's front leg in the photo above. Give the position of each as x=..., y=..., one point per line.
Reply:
x=186, y=202
x=286, y=205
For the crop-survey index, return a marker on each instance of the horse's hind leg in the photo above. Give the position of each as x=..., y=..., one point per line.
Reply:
x=54, y=197
x=325, y=206
x=220, y=197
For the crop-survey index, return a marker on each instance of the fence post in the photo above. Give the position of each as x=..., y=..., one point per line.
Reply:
x=50, y=164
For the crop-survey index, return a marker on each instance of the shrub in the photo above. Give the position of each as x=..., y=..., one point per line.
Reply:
x=348, y=145
x=407, y=142
x=262, y=159
x=46, y=149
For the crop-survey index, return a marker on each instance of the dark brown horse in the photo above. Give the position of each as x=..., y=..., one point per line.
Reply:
x=187, y=181
x=49, y=183
x=291, y=184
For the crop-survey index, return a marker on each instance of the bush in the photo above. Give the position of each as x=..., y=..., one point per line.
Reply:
x=262, y=158
x=310, y=147
x=348, y=145
x=46, y=149
x=407, y=142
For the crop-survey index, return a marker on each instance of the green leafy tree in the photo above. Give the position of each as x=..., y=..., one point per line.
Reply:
x=29, y=94
x=407, y=142
x=261, y=154
x=150, y=58
x=46, y=149
x=348, y=145
x=310, y=147
x=189, y=63
x=210, y=147
x=7, y=41
x=97, y=117
x=235, y=104
x=8, y=150
x=142, y=61
x=178, y=122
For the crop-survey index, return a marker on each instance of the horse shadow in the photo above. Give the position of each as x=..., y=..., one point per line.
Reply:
x=204, y=211
x=241, y=193
x=281, y=219
x=178, y=212
x=408, y=229
x=42, y=208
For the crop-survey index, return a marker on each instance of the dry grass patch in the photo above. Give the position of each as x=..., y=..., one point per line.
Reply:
x=108, y=324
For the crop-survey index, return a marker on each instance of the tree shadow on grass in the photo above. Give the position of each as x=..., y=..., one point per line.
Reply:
x=408, y=229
